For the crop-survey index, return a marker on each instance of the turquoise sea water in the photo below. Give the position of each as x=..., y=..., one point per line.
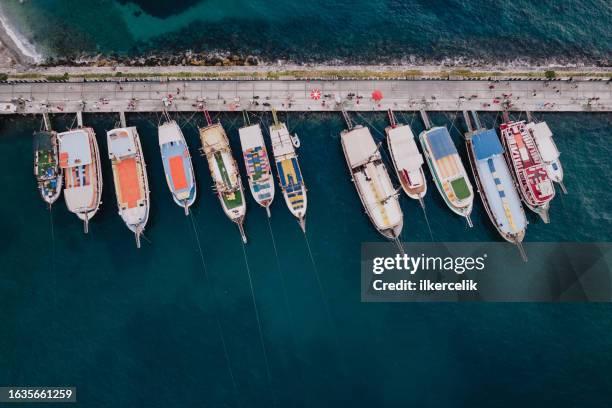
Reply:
x=134, y=327
x=367, y=31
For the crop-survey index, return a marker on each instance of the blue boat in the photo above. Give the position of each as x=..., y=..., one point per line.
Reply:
x=496, y=185
x=177, y=164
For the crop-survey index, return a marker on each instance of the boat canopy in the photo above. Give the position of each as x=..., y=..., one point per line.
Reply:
x=360, y=146
x=79, y=199
x=75, y=149
x=121, y=143
x=213, y=138
x=405, y=151
x=486, y=144
x=281, y=141
x=440, y=143
x=250, y=137
x=543, y=137
x=169, y=132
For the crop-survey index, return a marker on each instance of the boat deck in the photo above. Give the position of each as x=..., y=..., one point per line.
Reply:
x=532, y=175
x=130, y=191
x=230, y=193
x=449, y=168
x=257, y=164
x=291, y=181
x=176, y=165
x=497, y=184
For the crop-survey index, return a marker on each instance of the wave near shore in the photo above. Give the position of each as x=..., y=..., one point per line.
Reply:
x=22, y=50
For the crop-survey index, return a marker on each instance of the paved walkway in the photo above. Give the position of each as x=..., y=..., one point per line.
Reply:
x=297, y=95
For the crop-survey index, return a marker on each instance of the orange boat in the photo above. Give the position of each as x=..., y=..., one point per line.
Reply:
x=130, y=176
x=177, y=164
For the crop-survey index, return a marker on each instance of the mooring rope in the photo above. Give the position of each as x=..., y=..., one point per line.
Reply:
x=261, y=336
x=215, y=310
x=325, y=303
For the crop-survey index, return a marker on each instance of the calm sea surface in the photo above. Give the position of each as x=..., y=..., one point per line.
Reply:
x=355, y=30
x=174, y=324
x=143, y=327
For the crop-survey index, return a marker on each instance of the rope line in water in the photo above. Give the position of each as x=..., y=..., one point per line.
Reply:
x=325, y=302
x=427, y=222
x=54, y=273
x=215, y=311
x=287, y=305
x=261, y=336
x=280, y=271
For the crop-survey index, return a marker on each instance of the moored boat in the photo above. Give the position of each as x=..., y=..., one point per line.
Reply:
x=406, y=158
x=224, y=172
x=529, y=170
x=257, y=165
x=371, y=179
x=448, y=172
x=47, y=170
x=130, y=176
x=548, y=150
x=178, y=167
x=79, y=158
x=289, y=173
x=496, y=186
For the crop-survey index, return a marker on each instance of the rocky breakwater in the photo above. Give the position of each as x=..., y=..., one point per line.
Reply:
x=156, y=60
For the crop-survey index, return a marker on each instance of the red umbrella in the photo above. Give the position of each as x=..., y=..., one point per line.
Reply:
x=315, y=94
x=377, y=95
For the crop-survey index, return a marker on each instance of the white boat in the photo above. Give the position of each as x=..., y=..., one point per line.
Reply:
x=289, y=173
x=529, y=170
x=80, y=160
x=548, y=151
x=130, y=176
x=225, y=175
x=257, y=165
x=372, y=181
x=496, y=186
x=448, y=172
x=407, y=161
x=177, y=165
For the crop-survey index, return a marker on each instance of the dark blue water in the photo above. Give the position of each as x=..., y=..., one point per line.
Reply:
x=134, y=327
x=366, y=31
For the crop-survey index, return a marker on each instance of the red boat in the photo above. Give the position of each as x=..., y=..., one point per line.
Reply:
x=529, y=170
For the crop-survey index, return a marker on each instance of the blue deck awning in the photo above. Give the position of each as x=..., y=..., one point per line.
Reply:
x=441, y=143
x=486, y=144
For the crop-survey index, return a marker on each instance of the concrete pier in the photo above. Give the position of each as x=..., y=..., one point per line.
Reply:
x=298, y=95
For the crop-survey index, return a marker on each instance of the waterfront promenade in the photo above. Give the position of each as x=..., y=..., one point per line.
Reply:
x=301, y=95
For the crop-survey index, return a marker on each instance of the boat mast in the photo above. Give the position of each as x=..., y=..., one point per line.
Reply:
x=137, y=233
x=207, y=116
x=86, y=223
x=274, y=117
x=245, y=118
x=519, y=245
x=468, y=122
x=241, y=228
x=506, y=115
x=425, y=119
x=469, y=221
x=392, y=120
x=46, y=121
x=347, y=119
x=477, y=123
